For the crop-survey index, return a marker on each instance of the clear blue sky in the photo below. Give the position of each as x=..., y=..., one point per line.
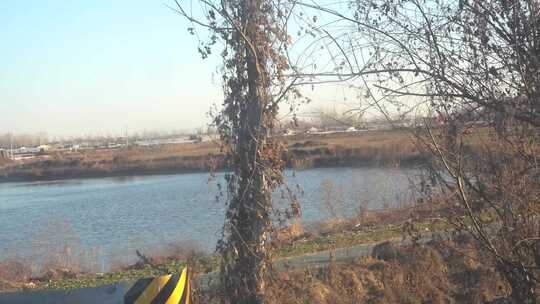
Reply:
x=98, y=66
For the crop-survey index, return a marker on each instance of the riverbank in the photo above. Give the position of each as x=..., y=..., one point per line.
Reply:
x=337, y=261
x=432, y=270
x=373, y=148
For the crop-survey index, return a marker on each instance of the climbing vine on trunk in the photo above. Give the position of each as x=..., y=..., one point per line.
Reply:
x=254, y=85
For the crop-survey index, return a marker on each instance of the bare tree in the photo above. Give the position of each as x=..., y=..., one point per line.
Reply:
x=476, y=65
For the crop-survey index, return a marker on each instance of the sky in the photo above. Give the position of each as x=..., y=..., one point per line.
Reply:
x=98, y=67
x=101, y=67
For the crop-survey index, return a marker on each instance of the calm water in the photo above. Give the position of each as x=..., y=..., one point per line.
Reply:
x=119, y=215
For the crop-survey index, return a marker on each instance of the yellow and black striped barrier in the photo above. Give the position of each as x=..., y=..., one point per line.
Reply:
x=168, y=289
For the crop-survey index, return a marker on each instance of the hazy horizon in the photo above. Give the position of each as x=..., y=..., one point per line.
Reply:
x=100, y=67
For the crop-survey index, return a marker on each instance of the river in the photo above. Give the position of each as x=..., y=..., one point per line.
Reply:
x=109, y=217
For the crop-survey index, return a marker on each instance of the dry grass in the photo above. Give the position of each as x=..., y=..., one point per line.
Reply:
x=14, y=274
x=369, y=219
x=4, y=162
x=58, y=268
x=56, y=254
x=442, y=271
x=176, y=251
x=367, y=227
x=354, y=140
x=374, y=148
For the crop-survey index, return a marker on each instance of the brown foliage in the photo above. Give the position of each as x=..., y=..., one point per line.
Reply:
x=13, y=274
x=475, y=65
x=438, y=272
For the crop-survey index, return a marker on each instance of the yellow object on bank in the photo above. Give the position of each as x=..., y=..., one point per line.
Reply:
x=168, y=289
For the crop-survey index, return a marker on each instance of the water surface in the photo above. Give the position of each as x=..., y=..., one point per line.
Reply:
x=118, y=215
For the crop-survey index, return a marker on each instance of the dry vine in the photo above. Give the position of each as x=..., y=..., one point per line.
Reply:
x=255, y=38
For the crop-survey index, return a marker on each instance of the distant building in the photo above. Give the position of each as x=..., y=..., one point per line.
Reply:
x=44, y=148
x=164, y=141
x=4, y=153
x=25, y=151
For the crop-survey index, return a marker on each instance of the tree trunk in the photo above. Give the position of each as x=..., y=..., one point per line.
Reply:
x=246, y=277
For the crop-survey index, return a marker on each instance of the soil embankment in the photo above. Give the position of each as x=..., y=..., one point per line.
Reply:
x=374, y=148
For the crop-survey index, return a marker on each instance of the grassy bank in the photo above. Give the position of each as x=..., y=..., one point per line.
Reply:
x=374, y=148
x=451, y=269
x=442, y=271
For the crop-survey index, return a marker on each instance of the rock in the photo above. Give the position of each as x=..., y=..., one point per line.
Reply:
x=385, y=251
x=57, y=274
x=291, y=232
x=68, y=274
x=29, y=285
x=502, y=300
x=50, y=275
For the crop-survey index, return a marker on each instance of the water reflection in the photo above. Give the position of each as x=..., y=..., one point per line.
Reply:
x=69, y=182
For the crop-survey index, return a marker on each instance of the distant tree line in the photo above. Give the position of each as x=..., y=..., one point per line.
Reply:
x=23, y=140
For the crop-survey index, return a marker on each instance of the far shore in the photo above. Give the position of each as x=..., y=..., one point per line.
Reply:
x=22, y=177
x=366, y=149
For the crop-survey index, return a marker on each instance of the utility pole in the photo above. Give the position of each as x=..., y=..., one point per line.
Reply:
x=11, y=145
x=126, y=136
